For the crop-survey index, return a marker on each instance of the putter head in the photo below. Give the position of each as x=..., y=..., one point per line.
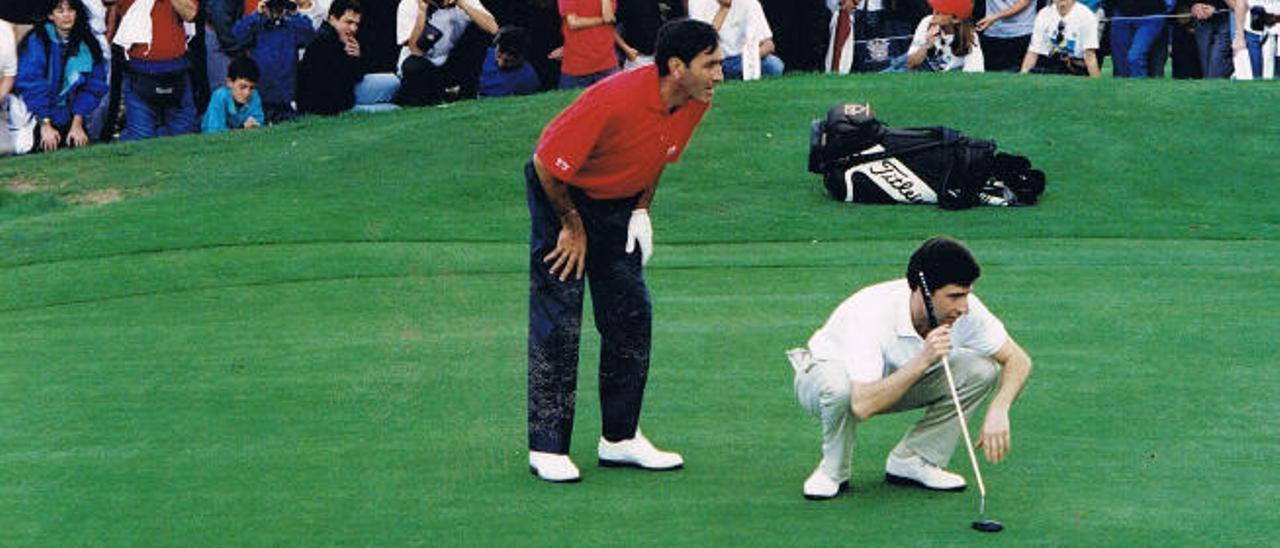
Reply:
x=988, y=526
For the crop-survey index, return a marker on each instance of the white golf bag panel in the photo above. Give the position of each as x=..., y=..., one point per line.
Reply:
x=889, y=179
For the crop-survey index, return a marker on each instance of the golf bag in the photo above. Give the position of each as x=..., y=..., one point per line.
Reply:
x=862, y=160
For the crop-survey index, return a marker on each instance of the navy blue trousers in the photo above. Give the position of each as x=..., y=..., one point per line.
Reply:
x=623, y=317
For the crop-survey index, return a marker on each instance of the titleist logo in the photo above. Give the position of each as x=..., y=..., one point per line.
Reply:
x=895, y=179
x=904, y=183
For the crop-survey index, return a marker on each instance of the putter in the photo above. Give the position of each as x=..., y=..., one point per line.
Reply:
x=982, y=524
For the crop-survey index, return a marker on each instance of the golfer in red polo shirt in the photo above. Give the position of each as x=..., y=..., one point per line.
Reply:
x=589, y=186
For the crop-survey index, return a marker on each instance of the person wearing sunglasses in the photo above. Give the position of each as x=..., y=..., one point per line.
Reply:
x=1064, y=40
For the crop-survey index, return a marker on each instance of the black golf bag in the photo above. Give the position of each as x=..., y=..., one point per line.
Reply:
x=862, y=160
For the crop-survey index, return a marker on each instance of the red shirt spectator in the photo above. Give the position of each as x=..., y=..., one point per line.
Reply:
x=588, y=50
x=168, y=38
x=614, y=141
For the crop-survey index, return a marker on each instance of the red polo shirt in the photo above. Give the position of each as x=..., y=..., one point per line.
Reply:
x=613, y=141
x=168, y=38
x=589, y=50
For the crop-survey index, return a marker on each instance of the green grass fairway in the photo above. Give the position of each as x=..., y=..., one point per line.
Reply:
x=315, y=334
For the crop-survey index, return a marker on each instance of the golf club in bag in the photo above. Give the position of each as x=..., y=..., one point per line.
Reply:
x=982, y=524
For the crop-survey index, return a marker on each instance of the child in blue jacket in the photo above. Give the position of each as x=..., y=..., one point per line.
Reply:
x=236, y=105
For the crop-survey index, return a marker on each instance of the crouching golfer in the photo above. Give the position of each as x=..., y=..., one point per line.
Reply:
x=589, y=185
x=878, y=354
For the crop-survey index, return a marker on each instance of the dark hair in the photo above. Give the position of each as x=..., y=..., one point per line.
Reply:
x=243, y=67
x=80, y=32
x=339, y=7
x=683, y=39
x=943, y=261
x=511, y=39
x=966, y=36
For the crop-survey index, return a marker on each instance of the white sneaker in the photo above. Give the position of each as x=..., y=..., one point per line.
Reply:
x=637, y=452
x=553, y=467
x=820, y=486
x=921, y=473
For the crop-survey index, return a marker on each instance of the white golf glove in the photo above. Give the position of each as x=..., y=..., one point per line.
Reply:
x=640, y=231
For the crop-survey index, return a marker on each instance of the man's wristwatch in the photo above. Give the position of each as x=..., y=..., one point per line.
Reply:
x=46, y=121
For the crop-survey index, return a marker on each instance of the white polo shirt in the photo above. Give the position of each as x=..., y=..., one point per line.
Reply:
x=744, y=21
x=871, y=334
x=1079, y=32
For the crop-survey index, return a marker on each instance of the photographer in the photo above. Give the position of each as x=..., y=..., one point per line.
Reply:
x=437, y=50
x=273, y=35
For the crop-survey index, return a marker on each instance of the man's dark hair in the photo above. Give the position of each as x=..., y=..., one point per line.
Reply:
x=683, y=39
x=511, y=39
x=339, y=7
x=943, y=261
x=243, y=67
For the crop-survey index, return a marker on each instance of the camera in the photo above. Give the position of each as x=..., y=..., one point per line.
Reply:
x=1259, y=18
x=279, y=8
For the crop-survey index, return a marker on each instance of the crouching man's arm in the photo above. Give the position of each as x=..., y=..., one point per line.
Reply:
x=872, y=398
x=1015, y=368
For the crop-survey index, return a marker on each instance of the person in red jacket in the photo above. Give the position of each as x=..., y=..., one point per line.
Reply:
x=589, y=40
x=157, y=79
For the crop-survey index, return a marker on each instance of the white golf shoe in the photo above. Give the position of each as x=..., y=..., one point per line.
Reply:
x=916, y=471
x=637, y=452
x=553, y=467
x=820, y=486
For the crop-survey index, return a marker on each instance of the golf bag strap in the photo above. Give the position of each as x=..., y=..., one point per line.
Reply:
x=949, y=137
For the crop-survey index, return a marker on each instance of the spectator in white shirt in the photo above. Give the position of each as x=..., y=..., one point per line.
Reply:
x=1064, y=41
x=744, y=32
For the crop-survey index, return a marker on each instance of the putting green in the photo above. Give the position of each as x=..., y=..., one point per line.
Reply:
x=315, y=334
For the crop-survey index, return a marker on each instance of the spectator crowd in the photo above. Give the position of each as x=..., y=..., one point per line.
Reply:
x=73, y=72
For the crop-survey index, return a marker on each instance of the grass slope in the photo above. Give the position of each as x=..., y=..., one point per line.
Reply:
x=314, y=334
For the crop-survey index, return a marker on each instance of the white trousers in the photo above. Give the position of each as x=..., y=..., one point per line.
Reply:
x=822, y=387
